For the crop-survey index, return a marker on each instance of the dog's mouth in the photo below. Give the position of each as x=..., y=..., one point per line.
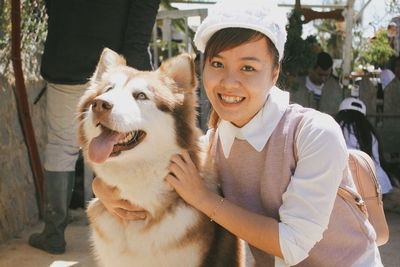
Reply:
x=111, y=143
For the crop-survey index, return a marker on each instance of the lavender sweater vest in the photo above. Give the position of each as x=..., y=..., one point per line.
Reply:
x=257, y=180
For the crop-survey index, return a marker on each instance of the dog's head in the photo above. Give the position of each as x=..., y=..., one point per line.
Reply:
x=127, y=112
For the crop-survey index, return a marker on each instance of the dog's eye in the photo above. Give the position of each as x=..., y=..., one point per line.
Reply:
x=108, y=88
x=140, y=96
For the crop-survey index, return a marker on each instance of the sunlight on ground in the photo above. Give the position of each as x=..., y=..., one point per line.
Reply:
x=64, y=263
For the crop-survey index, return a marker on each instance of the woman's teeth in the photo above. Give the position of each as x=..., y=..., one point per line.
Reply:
x=232, y=99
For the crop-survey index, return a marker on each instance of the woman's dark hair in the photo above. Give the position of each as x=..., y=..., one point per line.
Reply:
x=229, y=38
x=357, y=123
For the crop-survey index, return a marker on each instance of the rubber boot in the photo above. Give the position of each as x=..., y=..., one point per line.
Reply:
x=58, y=188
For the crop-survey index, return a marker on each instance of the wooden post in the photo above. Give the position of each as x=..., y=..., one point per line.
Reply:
x=22, y=102
x=347, y=49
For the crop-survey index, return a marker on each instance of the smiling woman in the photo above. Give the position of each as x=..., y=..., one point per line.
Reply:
x=240, y=67
x=284, y=205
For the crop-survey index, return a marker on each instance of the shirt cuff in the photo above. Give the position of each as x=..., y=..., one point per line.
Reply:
x=293, y=252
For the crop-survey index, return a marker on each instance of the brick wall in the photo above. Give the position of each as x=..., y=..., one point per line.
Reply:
x=18, y=205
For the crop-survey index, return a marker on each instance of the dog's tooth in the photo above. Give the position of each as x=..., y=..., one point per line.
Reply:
x=122, y=140
x=127, y=138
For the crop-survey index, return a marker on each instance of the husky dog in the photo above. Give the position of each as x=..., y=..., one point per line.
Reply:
x=131, y=123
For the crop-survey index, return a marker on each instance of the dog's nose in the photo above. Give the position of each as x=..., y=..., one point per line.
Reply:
x=101, y=106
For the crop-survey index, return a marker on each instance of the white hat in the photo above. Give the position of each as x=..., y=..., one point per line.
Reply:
x=386, y=77
x=261, y=15
x=353, y=104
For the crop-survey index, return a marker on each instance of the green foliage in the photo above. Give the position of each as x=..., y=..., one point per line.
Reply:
x=5, y=25
x=162, y=46
x=33, y=33
x=330, y=37
x=393, y=6
x=377, y=51
x=299, y=53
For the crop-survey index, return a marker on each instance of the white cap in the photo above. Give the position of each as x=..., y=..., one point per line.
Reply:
x=353, y=104
x=261, y=15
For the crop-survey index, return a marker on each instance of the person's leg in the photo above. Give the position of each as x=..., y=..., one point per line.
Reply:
x=58, y=188
x=60, y=158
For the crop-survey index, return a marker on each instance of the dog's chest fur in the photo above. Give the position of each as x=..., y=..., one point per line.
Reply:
x=164, y=238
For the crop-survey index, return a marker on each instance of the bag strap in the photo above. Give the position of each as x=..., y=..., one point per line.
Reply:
x=342, y=191
x=350, y=197
x=367, y=162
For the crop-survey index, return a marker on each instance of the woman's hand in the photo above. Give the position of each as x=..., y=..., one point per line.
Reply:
x=184, y=178
x=245, y=224
x=120, y=208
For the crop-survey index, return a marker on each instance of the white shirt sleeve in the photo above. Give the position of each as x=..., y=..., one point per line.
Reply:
x=311, y=193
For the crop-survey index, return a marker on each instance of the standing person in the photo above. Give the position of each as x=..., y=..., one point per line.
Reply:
x=391, y=107
x=77, y=33
x=280, y=165
x=392, y=92
x=360, y=134
x=319, y=89
x=392, y=36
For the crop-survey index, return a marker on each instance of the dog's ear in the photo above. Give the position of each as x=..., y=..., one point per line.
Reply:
x=108, y=59
x=181, y=70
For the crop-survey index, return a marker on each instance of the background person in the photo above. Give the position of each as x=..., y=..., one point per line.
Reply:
x=319, y=89
x=392, y=91
x=77, y=33
x=361, y=135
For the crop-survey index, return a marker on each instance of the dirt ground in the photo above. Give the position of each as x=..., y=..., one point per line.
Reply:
x=17, y=253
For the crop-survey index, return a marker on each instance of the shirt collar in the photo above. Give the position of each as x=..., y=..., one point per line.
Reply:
x=258, y=130
x=317, y=89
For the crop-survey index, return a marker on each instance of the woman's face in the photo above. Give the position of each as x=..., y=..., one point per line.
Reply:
x=237, y=81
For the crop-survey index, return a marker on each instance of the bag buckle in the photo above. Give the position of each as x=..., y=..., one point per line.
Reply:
x=361, y=205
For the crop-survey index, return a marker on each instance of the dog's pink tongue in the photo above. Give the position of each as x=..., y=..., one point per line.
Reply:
x=101, y=146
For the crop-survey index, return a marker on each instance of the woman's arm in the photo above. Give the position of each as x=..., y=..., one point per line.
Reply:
x=139, y=27
x=306, y=204
x=260, y=231
x=112, y=201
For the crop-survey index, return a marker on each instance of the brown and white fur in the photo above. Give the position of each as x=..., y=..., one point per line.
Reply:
x=131, y=123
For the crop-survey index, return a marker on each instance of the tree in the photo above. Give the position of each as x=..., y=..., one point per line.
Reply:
x=393, y=6
x=299, y=52
x=377, y=51
x=33, y=30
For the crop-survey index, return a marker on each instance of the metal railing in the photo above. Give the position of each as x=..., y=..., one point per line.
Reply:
x=165, y=18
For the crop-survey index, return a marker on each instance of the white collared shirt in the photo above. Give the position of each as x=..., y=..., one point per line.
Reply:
x=306, y=206
x=258, y=130
x=316, y=89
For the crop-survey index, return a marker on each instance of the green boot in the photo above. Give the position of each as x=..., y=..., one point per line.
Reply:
x=58, y=188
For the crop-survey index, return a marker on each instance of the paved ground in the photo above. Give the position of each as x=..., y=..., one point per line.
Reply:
x=17, y=253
